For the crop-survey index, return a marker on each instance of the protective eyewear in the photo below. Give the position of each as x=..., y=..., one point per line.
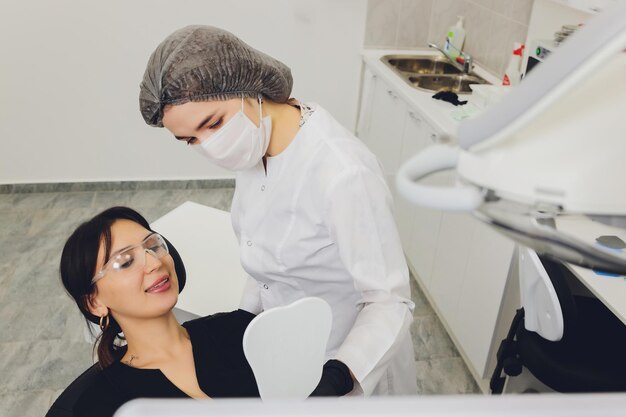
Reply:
x=133, y=258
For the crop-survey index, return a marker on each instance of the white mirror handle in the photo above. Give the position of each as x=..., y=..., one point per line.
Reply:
x=430, y=160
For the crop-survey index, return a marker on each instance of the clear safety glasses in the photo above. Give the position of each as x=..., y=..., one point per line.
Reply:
x=133, y=258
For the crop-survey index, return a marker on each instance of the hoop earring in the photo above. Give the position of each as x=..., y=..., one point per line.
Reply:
x=104, y=326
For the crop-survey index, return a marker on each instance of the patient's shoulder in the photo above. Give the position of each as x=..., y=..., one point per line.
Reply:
x=228, y=322
x=89, y=395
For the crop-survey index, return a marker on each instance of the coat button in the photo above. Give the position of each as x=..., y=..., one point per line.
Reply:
x=263, y=188
x=249, y=243
x=265, y=286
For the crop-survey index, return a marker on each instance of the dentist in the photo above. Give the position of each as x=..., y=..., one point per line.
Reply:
x=311, y=209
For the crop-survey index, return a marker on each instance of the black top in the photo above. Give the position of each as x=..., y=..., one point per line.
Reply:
x=221, y=368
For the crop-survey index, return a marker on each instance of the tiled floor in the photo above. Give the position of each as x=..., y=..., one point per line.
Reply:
x=42, y=348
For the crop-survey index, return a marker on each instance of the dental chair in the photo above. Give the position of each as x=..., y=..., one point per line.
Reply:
x=570, y=343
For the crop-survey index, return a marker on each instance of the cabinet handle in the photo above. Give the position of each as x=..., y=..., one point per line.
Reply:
x=414, y=117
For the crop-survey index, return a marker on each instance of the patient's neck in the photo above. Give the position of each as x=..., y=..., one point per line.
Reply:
x=155, y=340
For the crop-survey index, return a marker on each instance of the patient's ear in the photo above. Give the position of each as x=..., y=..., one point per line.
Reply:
x=95, y=306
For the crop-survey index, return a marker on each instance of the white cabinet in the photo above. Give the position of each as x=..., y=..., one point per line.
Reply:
x=386, y=123
x=488, y=263
x=412, y=142
x=366, y=102
x=451, y=257
x=419, y=226
x=461, y=264
x=589, y=6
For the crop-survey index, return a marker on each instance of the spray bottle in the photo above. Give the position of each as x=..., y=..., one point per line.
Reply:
x=513, y=74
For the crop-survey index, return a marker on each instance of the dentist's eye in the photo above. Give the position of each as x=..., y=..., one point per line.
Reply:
x=216, y=124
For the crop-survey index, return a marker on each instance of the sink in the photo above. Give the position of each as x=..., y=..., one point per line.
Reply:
x=456, y=83
x=421, y=65
x=431, y=73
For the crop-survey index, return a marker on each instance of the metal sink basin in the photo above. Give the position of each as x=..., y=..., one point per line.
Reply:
x=455, y=83
x=420, y=65
x=431, y=73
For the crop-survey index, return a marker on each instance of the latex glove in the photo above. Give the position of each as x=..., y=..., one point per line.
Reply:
x=336, y=380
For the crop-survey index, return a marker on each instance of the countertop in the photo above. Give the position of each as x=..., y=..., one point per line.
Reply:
x=436, y=112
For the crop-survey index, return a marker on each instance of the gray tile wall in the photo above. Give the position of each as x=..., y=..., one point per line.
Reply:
x=491, y=26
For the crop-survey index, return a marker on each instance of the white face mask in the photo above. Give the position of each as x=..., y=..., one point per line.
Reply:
x=239, y=144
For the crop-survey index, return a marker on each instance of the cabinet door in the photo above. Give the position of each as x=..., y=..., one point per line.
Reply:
x=414, y=139
x=450, y=262
x=384, y=136
x=424, y=233
x=483, y=287
x=589, y=6
x=366, y=102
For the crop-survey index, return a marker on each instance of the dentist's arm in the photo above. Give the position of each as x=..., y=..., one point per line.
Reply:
x=362, y=225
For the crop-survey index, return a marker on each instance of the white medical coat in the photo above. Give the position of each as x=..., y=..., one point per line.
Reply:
x=319, y=223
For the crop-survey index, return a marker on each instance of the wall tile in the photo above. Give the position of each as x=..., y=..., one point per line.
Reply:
x=519, y=10
x=479, y=31
x=488, y=4
x=382, y=23
x=413, y=23
x=501, y=47
x=491, y=26
x=444, y=14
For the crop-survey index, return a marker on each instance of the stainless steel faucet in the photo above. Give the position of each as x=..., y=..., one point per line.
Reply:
x=468, y=62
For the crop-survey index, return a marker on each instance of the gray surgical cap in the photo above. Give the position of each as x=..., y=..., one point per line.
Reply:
x=202, y=63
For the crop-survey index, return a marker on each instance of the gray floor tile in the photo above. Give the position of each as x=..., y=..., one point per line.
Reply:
x=15, y=223
x=27, y=250
x=56, y=201
x=7, y=270
x=25, y=403
x=42, y=364
x=105, y=199
x=35, y=279
x=220, y=198
x=54, y=396
x=445, y=376
x=422, y=306
x=44, y=320
x=430, y=339
x=46, y=222
x=6, y=202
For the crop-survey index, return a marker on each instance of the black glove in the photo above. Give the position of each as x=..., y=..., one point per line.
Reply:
x=335, y=382
x=450, y=97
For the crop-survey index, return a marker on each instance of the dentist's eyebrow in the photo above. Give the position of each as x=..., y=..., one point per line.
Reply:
x=200, y=126
x=205, y=121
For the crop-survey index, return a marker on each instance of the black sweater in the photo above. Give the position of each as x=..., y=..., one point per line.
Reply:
x=221, y=368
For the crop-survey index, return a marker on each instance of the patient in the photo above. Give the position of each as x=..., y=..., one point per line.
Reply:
x=126, y=278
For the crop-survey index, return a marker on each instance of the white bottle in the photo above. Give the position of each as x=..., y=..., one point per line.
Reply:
x=455, y=39
x=513, y=74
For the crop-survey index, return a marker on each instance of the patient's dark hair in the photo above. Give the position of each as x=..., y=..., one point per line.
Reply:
x=78, y=266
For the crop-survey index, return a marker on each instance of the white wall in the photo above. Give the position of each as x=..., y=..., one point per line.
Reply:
x=70, y=73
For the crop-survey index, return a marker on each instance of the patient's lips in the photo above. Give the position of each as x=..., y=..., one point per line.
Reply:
x=160, y=285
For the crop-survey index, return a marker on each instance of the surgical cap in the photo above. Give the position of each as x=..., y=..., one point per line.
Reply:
x=202, y=63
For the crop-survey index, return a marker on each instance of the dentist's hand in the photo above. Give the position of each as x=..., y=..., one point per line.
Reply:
x=336, y=380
